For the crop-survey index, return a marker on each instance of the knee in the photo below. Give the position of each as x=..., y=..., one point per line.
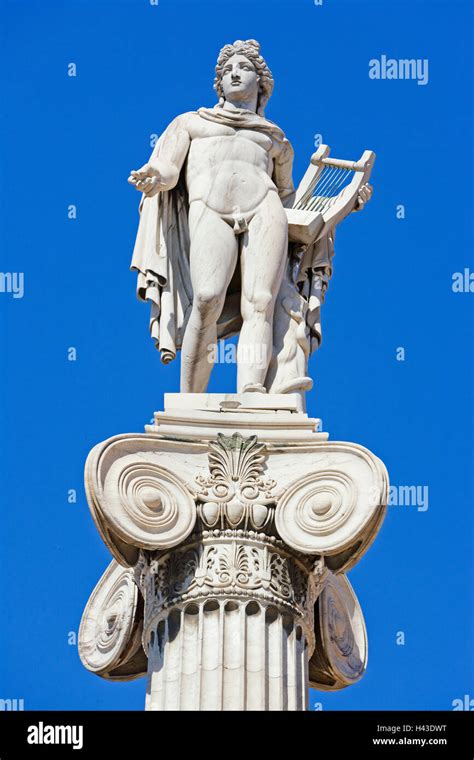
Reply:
x=207, y=304
x=261, y=303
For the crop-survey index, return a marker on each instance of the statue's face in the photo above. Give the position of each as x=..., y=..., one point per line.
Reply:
x=239, y=79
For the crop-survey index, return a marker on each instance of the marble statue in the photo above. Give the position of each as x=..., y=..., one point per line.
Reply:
x=213, y=252
x=233, y=521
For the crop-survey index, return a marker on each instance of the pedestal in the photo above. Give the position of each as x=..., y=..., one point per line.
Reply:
x=232, y=522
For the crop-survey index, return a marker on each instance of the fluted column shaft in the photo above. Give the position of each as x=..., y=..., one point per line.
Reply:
x=227, y=655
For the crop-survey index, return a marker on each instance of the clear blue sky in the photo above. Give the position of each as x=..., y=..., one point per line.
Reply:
x=73, y=141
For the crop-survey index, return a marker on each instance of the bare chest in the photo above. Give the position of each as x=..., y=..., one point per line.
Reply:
x=208, y=136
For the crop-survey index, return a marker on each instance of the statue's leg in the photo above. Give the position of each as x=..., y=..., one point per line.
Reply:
x=264, y=255
x=213, y=256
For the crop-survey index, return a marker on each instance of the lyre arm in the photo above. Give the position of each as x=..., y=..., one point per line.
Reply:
x=310, y=178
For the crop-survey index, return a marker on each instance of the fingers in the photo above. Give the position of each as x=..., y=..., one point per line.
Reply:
x=364, y=195
x=147, y=185
x=141, y=181
x=142, y=173
x=146, y=179
x=138, y=184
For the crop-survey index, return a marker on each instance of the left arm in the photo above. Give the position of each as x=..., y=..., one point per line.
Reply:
x=282, y=174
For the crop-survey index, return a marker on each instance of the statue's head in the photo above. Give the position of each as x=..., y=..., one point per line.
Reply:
x=243, y=75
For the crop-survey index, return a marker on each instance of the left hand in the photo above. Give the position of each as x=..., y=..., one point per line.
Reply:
x=364, y=195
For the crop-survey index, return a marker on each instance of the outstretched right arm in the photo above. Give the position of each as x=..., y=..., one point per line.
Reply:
x=162, y=170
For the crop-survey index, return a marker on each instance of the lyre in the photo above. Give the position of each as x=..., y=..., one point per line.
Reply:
x=327, y=193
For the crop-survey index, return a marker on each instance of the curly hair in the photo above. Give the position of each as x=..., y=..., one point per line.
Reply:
x=251, y=50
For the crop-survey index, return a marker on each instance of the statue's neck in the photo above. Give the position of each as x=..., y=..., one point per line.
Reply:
x=240, y=105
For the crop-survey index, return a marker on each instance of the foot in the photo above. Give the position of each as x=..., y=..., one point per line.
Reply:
x=254, y=388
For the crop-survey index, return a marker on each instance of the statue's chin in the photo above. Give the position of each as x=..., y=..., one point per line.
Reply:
x=238, y=100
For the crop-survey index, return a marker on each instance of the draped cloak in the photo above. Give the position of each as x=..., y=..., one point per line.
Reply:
x=161, y=254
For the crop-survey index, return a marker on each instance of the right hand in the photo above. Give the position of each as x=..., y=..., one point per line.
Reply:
x=147, y=180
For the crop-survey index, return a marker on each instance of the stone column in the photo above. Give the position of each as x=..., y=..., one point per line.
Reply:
x=231, y=550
